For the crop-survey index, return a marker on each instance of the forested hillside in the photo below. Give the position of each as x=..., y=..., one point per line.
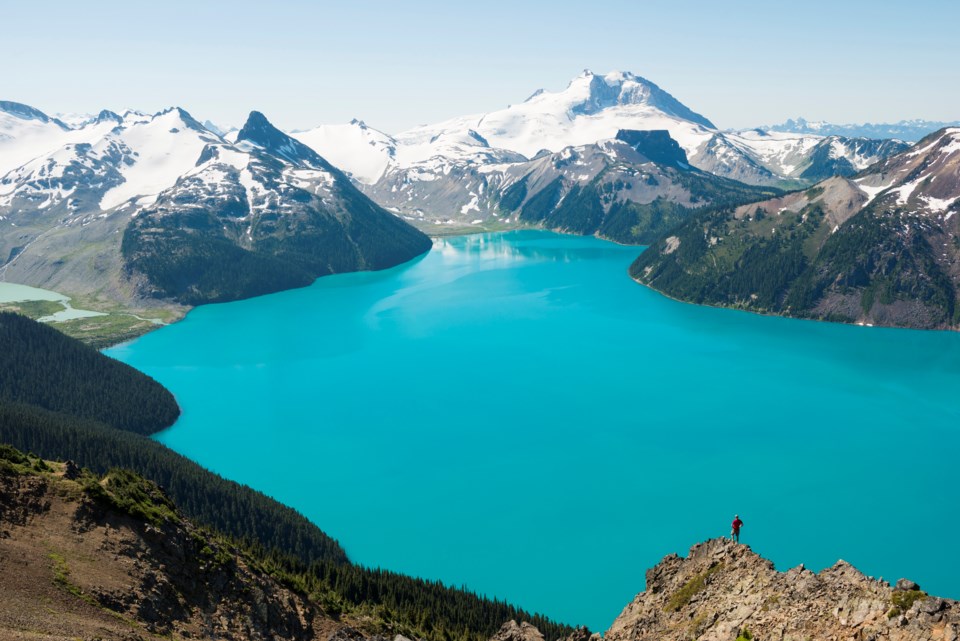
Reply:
x=52, y=427
x=881, y=248
x=43, y=367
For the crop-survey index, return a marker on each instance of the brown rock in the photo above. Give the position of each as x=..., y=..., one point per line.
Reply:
x=721, y=589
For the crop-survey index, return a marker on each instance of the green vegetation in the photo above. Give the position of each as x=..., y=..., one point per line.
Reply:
x=13, y=461
x=204, y=497
x=115, y=326
x=44, y=368
x=745, y=635
x=132, y=494
x=695, y=585
x=903, y=600
x=103, y=331
x=33, y=308
x=279, y=539
x=792, y=262
x=538, y=207
x=61, y=578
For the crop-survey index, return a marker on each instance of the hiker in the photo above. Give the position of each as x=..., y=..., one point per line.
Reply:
x=735, y=528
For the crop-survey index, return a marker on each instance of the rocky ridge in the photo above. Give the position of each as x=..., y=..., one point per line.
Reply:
x=724, y=591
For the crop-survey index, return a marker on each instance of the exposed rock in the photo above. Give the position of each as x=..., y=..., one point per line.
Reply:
x=512, y=631
x=906, y=584
x=71, y=471
x=722, y=589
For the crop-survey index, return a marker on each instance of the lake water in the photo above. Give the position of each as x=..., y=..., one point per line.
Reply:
x=511, y=412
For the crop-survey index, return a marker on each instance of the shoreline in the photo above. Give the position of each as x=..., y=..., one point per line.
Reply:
x=786, y=316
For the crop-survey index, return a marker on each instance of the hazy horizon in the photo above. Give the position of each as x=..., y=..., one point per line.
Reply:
x=397, y=66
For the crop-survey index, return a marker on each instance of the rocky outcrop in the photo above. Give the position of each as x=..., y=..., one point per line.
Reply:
x=512, y=631
x=724, y=591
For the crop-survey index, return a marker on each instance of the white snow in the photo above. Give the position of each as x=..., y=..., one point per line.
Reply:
x=363, y=152
x=24, y=140
x=871, y=191
x=165, y=148
x=591, y=108
x=940, y=205
x=473, y=205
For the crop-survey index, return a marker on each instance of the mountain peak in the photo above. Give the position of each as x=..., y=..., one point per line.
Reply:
x=26, y=112
x=657, y=145
x=106, y=114
x=590, y=93
x=260, y=132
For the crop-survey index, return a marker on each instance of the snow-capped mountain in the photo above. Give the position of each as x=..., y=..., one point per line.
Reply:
x=908, y=130
x=189, y=206
x=630, y=188
x=444, y=173
x=101, y=164
x=882, y=247
x=591, y=108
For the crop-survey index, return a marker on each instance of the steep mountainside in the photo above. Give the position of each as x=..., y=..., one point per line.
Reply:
x=111, y=558
x=630, y=189
x=724, y=591
x=880, y=248
x=266, y=210
x=264, y=214
x=446, y=173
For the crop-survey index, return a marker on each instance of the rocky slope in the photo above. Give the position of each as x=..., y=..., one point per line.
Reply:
x=629, y=189
x=110, y=558
x=723, y=591
x=881, y=248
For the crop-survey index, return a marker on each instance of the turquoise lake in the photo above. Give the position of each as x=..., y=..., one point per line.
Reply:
x=512, y=413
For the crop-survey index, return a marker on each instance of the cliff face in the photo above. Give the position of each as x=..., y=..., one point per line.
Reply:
x=73, y=566
x=724, y=591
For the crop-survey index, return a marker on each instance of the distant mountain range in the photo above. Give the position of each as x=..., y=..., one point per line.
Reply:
x=161, y=209
x=454, y=172
x=882, y=247
x=907, y=130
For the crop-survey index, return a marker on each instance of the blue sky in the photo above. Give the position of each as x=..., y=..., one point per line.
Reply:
x=398, y=64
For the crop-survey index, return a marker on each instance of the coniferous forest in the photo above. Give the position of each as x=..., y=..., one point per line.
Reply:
x=84, y=407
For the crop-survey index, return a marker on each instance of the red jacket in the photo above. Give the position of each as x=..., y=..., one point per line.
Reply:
x=736, y=524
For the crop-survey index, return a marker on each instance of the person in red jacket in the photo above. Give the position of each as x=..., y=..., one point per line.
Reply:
x=735, y=528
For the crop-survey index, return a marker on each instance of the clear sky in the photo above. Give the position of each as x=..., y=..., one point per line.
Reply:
x=398, y=64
